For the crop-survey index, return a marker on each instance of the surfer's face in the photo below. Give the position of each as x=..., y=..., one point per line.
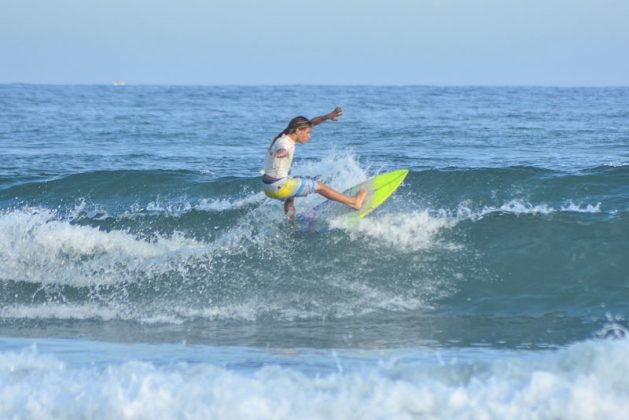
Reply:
x=303, y=134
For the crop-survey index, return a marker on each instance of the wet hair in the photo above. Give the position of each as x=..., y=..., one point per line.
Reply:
x=295, y=124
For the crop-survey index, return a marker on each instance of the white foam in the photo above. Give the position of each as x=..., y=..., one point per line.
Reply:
x=172, y=314
x=237, y=203
x=613, y=328
x=415, y=231
x=369, y=299
x=522, y=207
x=181, y=206
x=339, y=169
x=585, y=381
x=59, y=311
x=37, y=247
x=581, y=207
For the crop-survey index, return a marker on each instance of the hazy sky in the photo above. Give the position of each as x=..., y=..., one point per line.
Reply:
x=431, y=42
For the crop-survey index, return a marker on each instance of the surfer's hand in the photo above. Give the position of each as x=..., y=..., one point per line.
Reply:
x=334, y=115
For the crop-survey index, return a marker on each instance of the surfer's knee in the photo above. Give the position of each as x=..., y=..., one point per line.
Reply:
x=322, y=187
x=318, y=186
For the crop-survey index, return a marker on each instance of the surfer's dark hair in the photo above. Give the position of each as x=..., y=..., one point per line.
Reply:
x=295, y=124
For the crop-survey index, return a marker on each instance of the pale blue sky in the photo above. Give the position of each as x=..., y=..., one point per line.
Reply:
x=215, y=42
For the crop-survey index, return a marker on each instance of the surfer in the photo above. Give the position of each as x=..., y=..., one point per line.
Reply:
x=275, y=180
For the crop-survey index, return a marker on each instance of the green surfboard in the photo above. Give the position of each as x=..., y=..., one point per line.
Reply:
x=380, y=189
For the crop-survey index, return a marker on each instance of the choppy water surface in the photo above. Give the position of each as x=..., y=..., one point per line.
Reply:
x=139, y=261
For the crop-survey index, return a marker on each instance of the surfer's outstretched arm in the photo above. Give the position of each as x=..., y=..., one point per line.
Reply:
x=356, y=202
x=334, y=115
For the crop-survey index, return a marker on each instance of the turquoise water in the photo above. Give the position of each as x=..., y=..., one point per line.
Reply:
x=142, y=271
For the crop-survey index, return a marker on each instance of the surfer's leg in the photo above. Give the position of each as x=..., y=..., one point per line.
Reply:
x=355, y=202
x=289, y=208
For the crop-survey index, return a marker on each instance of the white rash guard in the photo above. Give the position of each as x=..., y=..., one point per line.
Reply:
x=277, y=167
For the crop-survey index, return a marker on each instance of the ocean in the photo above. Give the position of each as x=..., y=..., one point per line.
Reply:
x=143, y=273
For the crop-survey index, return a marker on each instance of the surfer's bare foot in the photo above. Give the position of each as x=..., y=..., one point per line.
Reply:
x=359, y=199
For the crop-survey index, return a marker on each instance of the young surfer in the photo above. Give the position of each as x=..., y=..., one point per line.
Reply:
x=275, y=180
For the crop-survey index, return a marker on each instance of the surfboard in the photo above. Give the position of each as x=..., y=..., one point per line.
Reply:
x=379, y=188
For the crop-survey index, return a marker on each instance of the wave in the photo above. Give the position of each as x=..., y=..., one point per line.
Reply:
x=37, y=247
x=177, y=246
x=180, y=191
x=58, y=268
x=585, y=380
x=404, y=231
x=64, y=269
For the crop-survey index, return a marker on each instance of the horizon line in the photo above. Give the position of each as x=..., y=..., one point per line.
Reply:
x=280, y=85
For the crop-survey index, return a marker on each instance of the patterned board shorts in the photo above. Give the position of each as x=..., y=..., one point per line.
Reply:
x=285, y=188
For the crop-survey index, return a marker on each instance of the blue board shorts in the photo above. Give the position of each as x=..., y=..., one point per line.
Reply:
x=285, y=188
